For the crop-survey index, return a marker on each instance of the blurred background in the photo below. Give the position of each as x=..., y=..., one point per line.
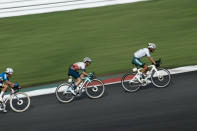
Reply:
x=41, y=47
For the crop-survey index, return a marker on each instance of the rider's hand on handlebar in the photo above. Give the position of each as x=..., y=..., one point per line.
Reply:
x=158, y=62
x=157, y=65
x=91, y=75
x=16, y=86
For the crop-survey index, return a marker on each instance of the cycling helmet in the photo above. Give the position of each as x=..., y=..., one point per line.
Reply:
x=87, y=59
x=151, y=45
x=9, y=71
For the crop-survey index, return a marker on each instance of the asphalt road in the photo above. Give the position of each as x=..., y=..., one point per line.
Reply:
x=150, y=109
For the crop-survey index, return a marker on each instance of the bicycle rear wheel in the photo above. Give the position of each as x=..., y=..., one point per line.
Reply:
x=19, y=102
x=63, y=94
x=95, y=88
x=127, y=86
x=161, y=78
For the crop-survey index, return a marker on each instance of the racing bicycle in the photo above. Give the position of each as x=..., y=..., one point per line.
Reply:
x=19, y=101
x=159, y=77
x=94, y=88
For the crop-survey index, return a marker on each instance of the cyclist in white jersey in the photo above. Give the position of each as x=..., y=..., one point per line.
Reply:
x=142, y=53
x=73, y=71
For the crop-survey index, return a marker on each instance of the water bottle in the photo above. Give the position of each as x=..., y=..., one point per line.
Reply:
x=134, y=69
x=70, y=80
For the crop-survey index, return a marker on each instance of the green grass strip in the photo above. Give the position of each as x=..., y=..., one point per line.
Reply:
x=41, y=47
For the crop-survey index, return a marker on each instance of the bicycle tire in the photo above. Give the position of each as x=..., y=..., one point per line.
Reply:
x=93, y=88
x=19, y=101
x=160, y=78
x=129, y=87
x=60, y=90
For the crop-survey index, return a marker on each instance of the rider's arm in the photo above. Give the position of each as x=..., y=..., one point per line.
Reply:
x=9, y=83
x=152, y=60
x=83, y=68
x=84, y=73
x=149, y=56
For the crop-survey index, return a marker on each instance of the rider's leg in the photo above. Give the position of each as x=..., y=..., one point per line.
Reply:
x=82, y=76
x=145, y=69
x=139, y=63
x=76, y=75
x=3, y=90
x=78, y=81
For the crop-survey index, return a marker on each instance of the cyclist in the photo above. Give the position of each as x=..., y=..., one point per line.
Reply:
x=5, y=83
x=142, y=53
x=73, y=71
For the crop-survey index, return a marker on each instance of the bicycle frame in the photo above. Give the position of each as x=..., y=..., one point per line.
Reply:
x=7, y=98
x=84, y=81
x=9, y=95
x=153, y=68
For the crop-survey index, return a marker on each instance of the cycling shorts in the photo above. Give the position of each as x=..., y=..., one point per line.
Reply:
x=137, y=62
x=73, y=73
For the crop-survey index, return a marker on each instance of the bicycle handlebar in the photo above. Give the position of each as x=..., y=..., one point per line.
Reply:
x=92, y=75
x=15, y=89
x=158, y=63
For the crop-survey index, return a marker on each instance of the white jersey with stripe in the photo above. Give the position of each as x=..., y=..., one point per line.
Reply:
x=79, y=66
x=142, y=52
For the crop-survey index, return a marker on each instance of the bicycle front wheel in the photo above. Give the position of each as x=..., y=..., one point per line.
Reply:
x=161, y=78
x=63, y=94
x=19, y=102
x=95, y=88
x=130, y=86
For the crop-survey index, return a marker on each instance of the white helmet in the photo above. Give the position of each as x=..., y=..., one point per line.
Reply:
x=151, y=45
x=87, y=59
x=9, y=71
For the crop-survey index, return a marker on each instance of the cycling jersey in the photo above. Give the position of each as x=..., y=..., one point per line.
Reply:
x=142, y=52
x=79, y=66
x=73, y=70
x=3, y=78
